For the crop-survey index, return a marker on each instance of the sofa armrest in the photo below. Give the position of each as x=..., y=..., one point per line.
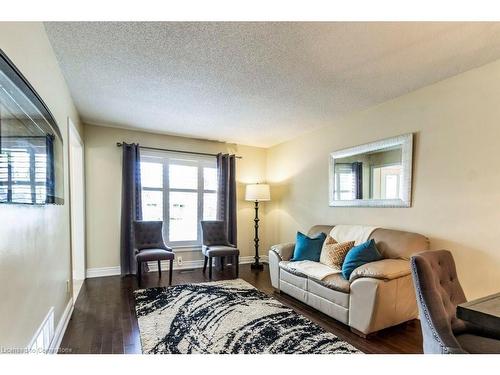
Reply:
x=284, y=250
x=375, y=304
x=386, y=269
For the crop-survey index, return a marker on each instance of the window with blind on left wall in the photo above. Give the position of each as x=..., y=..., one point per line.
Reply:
x=179, y=189
x=26, y=170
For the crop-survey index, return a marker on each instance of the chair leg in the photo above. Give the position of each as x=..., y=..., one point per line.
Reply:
x=210, y=267
x=159, y=269
x=222, y=263
x=205, y=264
x=139, y=273
x=170, y=271
x=237, y=265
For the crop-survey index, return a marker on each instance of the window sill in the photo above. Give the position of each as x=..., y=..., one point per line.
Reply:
x=186, y=248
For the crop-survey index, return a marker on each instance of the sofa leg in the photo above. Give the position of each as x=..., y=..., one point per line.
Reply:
x=359, y=333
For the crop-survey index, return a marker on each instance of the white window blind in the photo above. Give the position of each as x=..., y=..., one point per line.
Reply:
x=23, y=171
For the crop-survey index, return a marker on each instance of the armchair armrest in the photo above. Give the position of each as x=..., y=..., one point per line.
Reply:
x=284, y=250
x=386, y=269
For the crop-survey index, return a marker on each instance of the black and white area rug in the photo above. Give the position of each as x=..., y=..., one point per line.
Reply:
x=226, y=317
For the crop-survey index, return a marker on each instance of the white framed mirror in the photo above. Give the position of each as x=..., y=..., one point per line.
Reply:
x=376, y=174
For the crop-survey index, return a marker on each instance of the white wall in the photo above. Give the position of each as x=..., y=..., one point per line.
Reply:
x=103, y=165
x=456, y=187
x=34, y=241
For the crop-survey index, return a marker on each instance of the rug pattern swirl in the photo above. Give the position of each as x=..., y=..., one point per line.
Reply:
x=226, y=317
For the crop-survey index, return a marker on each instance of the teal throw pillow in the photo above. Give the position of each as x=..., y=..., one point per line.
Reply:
x=365, y=253
x=307, y=248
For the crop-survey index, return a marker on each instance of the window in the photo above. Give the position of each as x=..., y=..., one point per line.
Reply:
x=181, y=190
x=23, y=170
x=344, y=182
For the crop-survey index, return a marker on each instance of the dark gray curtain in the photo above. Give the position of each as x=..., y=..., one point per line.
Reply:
x=131, y=205
x=226, y=194
x=357, y=170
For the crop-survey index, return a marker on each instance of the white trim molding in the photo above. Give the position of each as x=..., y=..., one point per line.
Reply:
x=103, y=271
x=61, y=327
x=153, y=266
x=191, y=264
x=44, y=335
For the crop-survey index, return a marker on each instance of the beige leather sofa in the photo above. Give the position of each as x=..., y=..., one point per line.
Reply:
x=377, y=295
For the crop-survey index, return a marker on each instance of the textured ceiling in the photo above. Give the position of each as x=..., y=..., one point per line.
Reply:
x=255, y=83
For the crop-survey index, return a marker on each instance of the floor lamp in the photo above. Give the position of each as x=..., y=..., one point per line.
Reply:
x=257, y=193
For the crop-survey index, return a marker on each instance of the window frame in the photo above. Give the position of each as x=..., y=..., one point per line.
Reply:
x=166, y=159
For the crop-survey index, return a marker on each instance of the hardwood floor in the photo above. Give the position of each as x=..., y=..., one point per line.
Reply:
x=104, y=320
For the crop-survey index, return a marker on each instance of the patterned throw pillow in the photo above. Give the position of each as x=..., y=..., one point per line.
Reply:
x=333, y=253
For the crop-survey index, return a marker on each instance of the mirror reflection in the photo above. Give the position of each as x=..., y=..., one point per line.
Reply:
x=31, y=154
x=372, y=175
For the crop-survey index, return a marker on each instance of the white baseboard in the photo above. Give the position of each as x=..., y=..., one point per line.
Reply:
x=61, y=327
x=250, y=259
x=153, y=266
x=44, y=335
x=103, y=271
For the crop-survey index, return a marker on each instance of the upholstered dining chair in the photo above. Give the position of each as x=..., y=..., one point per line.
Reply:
x=215, y=244
x=438, y=292
x=149, y=246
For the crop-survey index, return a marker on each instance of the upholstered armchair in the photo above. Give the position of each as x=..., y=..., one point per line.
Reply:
x=215, y=244
x=438, y=292
x=149, y=246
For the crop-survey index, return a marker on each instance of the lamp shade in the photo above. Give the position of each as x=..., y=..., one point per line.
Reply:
x=258, y=192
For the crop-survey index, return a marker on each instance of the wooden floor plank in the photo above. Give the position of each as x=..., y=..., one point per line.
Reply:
x=104, y=320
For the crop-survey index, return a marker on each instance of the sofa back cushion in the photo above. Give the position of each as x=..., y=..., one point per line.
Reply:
x=392, y=244
x=397, y=244
x=317, y=229
x=308, y=248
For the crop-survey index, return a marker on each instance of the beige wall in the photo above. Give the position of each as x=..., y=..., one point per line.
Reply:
x=103, y=163
x=456, y=189
x=34, y=241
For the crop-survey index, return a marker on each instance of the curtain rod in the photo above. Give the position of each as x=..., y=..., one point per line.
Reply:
x=119, y=144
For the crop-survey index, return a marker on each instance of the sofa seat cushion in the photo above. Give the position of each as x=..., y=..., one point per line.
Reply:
x=314, y=287
x=299, y=281
x=315, y=270
x=386, y=269
x=335, y=282
x=478, y=344
x=286, y=266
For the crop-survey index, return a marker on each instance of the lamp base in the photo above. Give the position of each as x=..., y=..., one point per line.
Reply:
x=257, y=266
